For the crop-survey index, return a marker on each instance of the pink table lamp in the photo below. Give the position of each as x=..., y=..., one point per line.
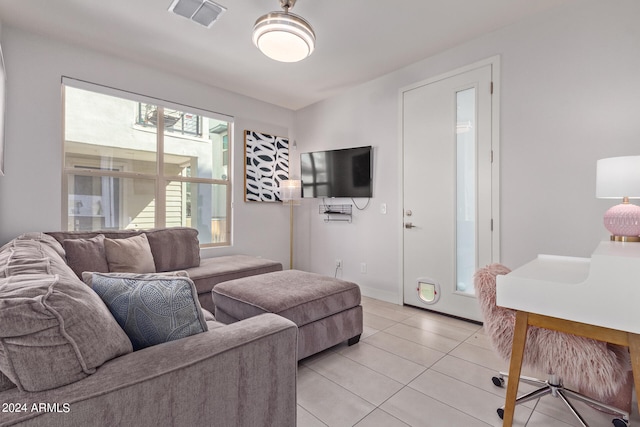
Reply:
x=619, y=178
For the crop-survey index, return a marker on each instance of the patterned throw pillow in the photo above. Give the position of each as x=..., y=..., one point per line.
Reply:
x=150, y=308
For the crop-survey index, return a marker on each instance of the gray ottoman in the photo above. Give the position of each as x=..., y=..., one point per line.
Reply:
x=212, y=271
x=326, y=310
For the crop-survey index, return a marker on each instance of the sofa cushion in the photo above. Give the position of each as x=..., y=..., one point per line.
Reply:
x=130, y=255
x=50, y=243
x=38, y=245
x=5, y=383
x=18, y=265
x=54, y=331
x=61, y=236
x=151, y=308
x=174, y=248
x=208, y=316
x=23, y=257
x=212, y=271
x=86, y=255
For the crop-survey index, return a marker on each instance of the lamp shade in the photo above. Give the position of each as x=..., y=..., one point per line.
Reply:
x=290, y=190
x=284, y=37
x=618, y=177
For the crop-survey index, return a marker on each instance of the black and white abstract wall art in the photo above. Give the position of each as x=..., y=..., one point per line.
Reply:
x=266, y=165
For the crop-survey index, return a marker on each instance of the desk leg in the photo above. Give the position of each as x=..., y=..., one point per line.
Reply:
x=515, y=366
x=634, y=350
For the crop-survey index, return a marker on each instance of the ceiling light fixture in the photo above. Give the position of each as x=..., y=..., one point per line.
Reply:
x=284, y=36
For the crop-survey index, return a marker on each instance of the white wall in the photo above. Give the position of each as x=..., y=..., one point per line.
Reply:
x=570, y=94
x=30, y=191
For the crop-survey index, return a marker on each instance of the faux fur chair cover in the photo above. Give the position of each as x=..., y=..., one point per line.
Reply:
x=596, y=368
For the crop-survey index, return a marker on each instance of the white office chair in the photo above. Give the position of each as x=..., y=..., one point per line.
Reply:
x=596, y=368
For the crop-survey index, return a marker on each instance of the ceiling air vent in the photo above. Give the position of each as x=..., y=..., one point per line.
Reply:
x=203, y=12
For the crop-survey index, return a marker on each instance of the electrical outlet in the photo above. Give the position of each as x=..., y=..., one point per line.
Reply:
x=338, y=263
x=363, y=267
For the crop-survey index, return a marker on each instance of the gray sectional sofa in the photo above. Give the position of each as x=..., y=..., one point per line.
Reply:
x=172, y=248
x=66, y=360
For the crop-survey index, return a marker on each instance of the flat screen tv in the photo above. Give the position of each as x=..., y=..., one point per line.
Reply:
x=337, y=173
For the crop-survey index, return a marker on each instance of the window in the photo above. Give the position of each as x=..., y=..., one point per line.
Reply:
x=138, y=164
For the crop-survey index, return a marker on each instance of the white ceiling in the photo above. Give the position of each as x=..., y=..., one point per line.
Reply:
x=357, y=40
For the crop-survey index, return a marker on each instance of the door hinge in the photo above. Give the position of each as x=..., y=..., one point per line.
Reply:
x=491, y=88
x=491, y=224
x=491, y=156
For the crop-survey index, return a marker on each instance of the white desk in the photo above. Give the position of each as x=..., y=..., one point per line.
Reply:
x=597, y=297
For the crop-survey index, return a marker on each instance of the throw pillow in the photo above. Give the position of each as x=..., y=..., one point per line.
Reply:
x=87, y=276
x=151, y=308
x=174, y=248
x=130, y=255
x=86, y=255
x=54, y=331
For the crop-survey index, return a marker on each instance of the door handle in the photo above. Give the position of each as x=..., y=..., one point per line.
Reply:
x=409, y=225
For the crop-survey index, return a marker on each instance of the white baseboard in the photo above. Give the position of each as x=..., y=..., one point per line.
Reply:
x=387, y=296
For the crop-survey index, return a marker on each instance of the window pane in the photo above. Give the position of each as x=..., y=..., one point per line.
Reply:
x=195, y=146
x=201, y=206
x=120, y=154
x=107, y=202
x=466, y=190
x=103, y=132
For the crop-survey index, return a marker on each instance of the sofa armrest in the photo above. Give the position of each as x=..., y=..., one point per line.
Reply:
x=242, y=374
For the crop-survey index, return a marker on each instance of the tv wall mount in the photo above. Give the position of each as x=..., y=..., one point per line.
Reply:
x=336, y=212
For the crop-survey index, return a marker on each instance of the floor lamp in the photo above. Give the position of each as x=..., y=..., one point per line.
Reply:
x=290, y=192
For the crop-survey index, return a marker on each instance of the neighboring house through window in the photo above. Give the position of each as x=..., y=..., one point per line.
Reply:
x=133, y=162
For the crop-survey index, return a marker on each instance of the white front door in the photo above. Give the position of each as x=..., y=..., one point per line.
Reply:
x=449, y=191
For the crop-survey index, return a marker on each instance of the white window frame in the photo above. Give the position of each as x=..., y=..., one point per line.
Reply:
x=159, y=177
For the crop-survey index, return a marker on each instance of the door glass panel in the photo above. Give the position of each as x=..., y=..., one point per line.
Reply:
x=465, y=190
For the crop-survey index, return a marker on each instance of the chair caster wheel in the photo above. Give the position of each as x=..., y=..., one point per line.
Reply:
x=500, y=412
x=619, y=422
x=498, y=381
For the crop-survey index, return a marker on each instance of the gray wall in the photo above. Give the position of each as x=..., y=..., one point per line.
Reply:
x=570, y=95
x=30, y=191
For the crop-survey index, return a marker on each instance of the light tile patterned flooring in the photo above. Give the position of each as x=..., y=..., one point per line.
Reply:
x=417, y=368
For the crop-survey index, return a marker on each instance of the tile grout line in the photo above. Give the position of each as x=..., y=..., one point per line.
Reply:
x=426, y=368
x=444, y=354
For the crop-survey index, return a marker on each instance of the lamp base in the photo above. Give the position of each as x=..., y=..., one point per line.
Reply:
x=623, y=220
x=625, y=238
